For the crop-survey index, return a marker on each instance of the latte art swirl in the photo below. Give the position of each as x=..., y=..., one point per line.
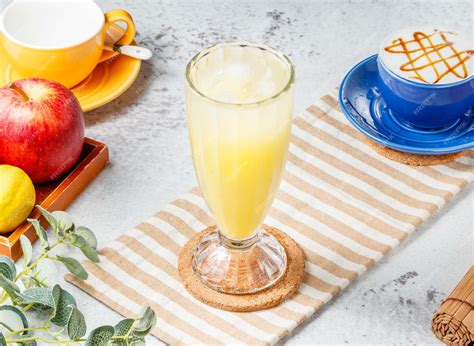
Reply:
x=430, y=55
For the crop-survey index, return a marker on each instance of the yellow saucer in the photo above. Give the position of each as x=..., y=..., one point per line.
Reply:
x=108, y=81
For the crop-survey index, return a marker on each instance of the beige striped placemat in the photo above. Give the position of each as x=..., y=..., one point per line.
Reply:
x=342, y=202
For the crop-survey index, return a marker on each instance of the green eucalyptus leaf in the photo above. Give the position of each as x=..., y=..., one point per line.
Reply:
x=63, y=308
x=91, y=254
x=65, y=316
x=13, y=318
x=40, y=231
x=145, y=322
x=78, y=241
x=11, y=288
x=100, y=336
x=64, y=220
x=88, y=251
x=88, y=236
x=3, y=342
x=76, y=327
x=28, y=281
x=7, y=267
x=74, y=267
x=6, y=271
x=49, y=217
x=26, y=248
x=56, y=294
x=41, y=297
x=123, y=327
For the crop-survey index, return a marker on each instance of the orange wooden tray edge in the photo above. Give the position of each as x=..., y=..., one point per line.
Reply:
x=85, y=171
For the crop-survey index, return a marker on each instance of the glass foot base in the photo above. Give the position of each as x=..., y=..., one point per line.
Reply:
x=239, y=267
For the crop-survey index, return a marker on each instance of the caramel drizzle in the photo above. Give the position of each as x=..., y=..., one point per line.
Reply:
x=420, y=38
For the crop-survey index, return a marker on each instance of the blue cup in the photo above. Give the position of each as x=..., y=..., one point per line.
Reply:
x=426, y=106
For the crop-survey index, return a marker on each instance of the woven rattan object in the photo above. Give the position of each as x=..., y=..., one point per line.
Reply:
x=453, y=323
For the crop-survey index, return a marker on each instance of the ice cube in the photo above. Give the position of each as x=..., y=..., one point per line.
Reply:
x=265, y=87
x=238, y=71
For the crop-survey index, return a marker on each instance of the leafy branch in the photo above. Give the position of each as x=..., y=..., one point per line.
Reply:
x=30, y=289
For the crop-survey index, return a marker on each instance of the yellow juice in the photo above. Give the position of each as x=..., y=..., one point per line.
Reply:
x=239, y=134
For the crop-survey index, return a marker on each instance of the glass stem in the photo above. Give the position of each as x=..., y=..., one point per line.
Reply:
x=238, y=244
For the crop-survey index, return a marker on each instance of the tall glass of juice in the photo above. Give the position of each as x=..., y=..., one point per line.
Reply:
x=239, y=105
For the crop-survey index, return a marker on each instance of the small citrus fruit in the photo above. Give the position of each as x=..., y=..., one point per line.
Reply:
x=17, y=197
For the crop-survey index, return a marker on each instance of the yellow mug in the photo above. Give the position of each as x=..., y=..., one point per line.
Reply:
x=58, y=40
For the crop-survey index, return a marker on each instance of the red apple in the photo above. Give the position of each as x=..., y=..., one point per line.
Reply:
x=41, y=128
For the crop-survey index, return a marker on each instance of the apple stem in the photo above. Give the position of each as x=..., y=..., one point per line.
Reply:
x=20, y=91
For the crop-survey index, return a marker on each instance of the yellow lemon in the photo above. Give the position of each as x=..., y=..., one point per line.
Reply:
x=17, y=197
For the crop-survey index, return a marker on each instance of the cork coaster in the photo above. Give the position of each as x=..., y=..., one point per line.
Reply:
x=412, y=159
x=286, y=287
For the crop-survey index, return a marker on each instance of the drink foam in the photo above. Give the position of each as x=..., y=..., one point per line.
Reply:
x=430, y=55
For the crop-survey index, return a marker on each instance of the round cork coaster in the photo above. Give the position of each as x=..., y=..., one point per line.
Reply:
x=412, y=159
x=285, y=287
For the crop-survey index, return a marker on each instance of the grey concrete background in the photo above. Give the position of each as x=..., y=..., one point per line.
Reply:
x=151, y=164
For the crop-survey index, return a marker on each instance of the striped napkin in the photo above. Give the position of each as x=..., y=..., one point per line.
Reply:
x=342, y=202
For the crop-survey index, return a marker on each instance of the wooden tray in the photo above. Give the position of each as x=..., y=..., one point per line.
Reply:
x=58, y=194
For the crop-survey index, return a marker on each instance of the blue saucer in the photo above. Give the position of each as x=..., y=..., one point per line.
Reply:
x=364, y=107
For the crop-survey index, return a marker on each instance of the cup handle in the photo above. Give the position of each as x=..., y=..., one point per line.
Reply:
x=118, y=16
